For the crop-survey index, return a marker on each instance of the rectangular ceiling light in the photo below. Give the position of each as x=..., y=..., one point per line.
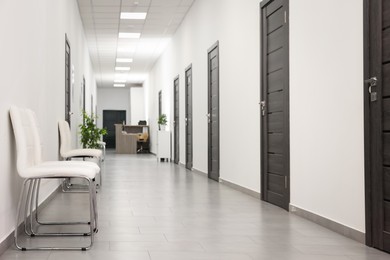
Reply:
x=122, y=68
x=120, y=81
x=119, y=85
x=123, y=35
x=126, y=49
x=135, y=16
x=124, y=60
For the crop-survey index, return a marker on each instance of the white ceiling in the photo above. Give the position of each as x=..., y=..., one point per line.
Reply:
x=102, y=26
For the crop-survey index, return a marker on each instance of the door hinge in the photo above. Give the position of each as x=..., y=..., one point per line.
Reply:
x=285, y=182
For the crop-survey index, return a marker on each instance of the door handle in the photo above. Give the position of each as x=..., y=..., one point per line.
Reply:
x=262, y=107
x=208, y=117
x=372, y=82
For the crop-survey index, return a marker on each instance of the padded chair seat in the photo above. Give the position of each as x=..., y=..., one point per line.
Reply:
x=83, y=153
x=58, y=171
x=72, y=164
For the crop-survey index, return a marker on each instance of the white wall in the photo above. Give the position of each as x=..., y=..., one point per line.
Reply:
x=326, y=102
x=137, y=103
x=113, y=99
x=326, y=98
x=32, y=67
x=235, y=24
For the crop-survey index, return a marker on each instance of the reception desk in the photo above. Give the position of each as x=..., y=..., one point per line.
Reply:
x=126, y=137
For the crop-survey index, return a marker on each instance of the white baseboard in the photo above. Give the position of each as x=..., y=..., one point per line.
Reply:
x=329, y=224
x=6, y=243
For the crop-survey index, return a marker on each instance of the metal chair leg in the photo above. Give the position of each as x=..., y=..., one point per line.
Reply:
x=35, y=198
x=30, y=197
x=51, y=222
x=18, y=213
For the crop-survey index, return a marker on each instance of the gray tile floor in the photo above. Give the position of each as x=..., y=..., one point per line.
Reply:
x=151, y=210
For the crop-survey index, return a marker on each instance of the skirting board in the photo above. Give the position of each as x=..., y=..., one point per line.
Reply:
x=193, y=169
x=240, y=188
x=329, y=224
x=4, y=245
x=229, y=184
x=199, y=172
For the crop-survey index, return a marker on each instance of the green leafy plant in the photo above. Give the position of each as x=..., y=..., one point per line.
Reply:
x=90, y=133
x=162, y=120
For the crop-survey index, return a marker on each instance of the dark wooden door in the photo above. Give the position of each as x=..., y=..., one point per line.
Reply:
x=110, y=118
x=68, y=81
x=160, y=103
x=213, y=112
x=176, y=122
x=188, y=118
x=377, y=132
x=275, y=169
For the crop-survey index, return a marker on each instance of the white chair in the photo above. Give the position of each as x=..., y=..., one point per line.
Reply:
x=34, y=189
x=32, y=169
x=67, y=153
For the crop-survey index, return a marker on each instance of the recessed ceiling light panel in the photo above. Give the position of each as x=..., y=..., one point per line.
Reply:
x=119, y=85
x=122, y=68
x=120, y=81
x=125, y=50
x=132, y=15
x=124, y=60
x=123, y=35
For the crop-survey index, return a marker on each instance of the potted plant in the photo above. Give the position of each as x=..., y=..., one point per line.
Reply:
x=162, y=121
x=90, y=133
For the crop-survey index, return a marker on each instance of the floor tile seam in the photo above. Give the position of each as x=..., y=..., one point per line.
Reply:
x=165, y=243
x=345, y=246
x=238, y=251
x=342, y=254
x=205, y=252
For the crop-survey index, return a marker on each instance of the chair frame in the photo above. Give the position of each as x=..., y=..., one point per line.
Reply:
x=34, y=215
x=28, y=202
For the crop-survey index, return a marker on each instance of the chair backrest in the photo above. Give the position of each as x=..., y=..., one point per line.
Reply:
x=65, y=137
x=24, y=138
x=36, y=135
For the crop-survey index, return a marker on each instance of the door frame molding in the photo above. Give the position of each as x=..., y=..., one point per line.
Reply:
x=189, y=67
x=369, y=218
x=178, y=116
x=214, y=46
x=160, y=103
x=286, y=105
x=367, y=154
x=68, y=113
